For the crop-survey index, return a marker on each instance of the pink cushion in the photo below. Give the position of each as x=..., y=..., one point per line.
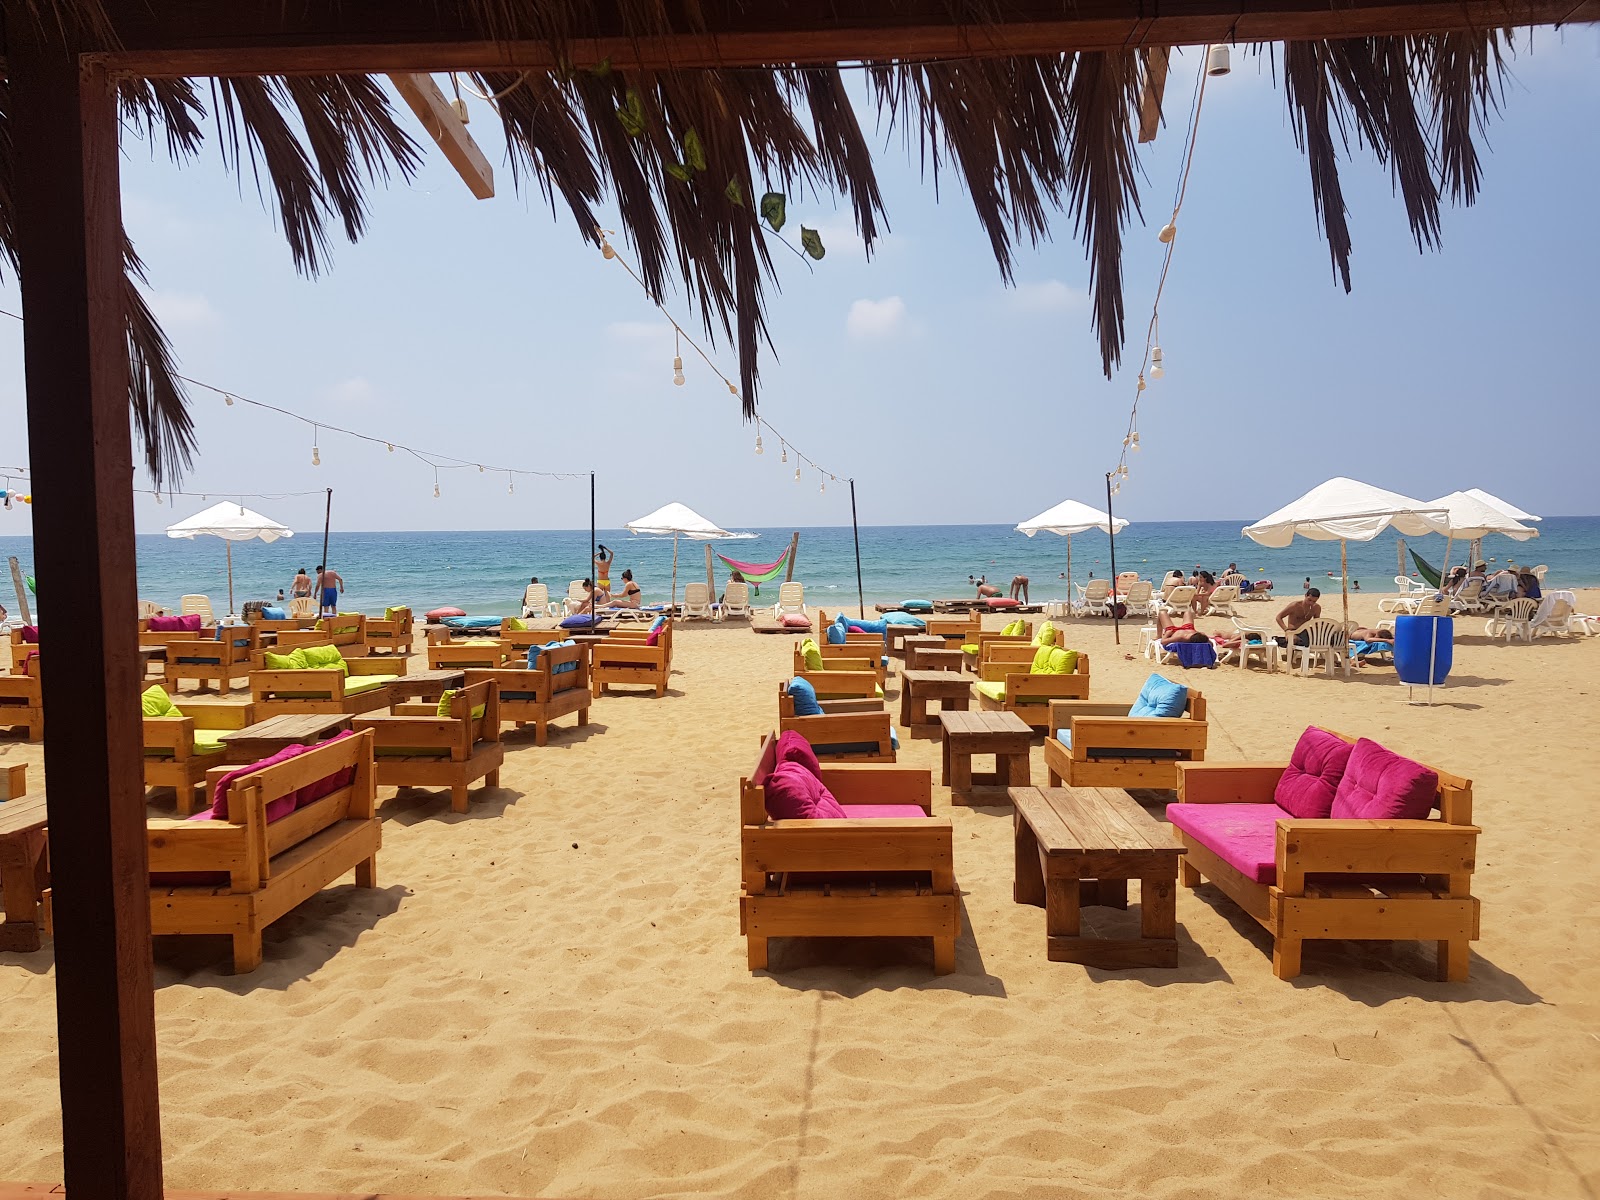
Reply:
x=1380, y=785
x=30, y=635
x=795, y=794
x=796, y=621
x=1002, y=602
x=654, y=636
x=1245, y=836
x=883, y=810
x=189, y=623
x=283, y=805
x=1315, y=769
x=793, y=747
x=436, y=614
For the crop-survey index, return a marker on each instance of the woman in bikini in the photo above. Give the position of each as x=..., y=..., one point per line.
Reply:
x=627, y=596
x=1170, y=631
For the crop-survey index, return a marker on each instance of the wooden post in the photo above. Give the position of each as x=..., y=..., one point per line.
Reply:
x=794, y=551
x=69, y=247
x=711, y=577
x=1400, y=549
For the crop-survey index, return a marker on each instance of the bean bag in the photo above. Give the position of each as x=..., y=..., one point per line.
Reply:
x=439, y=614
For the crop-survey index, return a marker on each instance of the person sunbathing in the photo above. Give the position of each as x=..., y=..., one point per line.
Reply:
x=627, y=596
x=1170, y=631
x=592, y=598
x=1204, y=584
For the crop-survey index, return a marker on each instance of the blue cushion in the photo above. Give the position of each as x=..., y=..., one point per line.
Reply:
x=805, y=698
x=578, y=621
x=917, y=605
x=838, y=634
x=273, y=613
x=1160, y=698
x=904, y=618
x=657, y=624
x=472, y=622
x=559, y=668
x=878, y=626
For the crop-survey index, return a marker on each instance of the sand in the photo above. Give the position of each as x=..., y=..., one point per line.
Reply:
x=548, y=996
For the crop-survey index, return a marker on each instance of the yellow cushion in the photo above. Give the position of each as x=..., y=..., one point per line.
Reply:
x=1053, y=660
x=517, y=624
x=970, y=648
x=812, y=654
x=323, y=657
x=208, y=741
x=995, y=689
x=295, y=661
x=448, y=697
x=357, y=684
x=1046, y=635
x=157, y=703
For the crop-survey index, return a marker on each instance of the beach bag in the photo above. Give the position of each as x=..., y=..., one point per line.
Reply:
x=1119, y=610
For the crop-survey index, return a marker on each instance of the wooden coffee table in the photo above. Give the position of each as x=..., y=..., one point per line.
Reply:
x=911, y=644
x=1002, y=734
x=426, y=685
x=917, y=688
x=933, y=658
x=266, y=738
x=1080, y=846
x=24, y=870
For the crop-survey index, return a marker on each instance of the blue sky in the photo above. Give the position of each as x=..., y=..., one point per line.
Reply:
x=488, y=330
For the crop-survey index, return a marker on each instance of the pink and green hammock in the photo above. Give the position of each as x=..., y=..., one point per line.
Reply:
x=758, y=572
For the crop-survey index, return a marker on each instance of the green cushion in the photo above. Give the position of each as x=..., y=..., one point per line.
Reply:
x=389, y=614
x=995, y=689
x=812, y=654
x=157, y=703
x=357, y=684
x=295, y=661
x=970, y=648
x=1053, y=660
x=1046, y=635
x=516, y=624
x=318, y=657
x=480, y=642
x=445, y=700
x=208, y=741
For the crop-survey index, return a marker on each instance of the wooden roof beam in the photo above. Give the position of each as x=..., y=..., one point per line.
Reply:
x=254, y=37
x=449, y=131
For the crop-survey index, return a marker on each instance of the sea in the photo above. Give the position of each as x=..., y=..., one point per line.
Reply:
x=484, y=573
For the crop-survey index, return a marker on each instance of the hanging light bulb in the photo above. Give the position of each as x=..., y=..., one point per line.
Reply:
x=1168, y=232
x=1141, y=381
x=480, y=468
x=732, y=391
x=8, y=499
x=391, y=446
x=1157, y=368
x=784, y=457
x=316, y=454
x=677, y=359
x=227, y=399
x=1128, y=440
x=797, y=474
x=1133, y=444
x=759, y=450
x=511, y=484
x=605, y=249
x=1217, y=61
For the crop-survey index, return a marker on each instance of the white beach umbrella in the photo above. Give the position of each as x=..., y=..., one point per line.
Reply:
x=1346, y=510
x=680, y=521
x=1472, y=518
x=232, y=522
x=1070, y=517
x=1494, y=502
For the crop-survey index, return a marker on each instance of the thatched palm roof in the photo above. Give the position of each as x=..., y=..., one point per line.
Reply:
x=684, y=155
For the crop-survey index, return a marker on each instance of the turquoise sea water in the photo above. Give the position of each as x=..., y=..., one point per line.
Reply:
x=485, y=572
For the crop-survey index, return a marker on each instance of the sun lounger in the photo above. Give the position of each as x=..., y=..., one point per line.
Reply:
x=447, y=745
x=1257, y=832
x=536, y=602
x=887, y=869
x=736, y=600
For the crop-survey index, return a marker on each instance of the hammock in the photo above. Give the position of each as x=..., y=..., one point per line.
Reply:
x=1429, y=575
x=758, y=572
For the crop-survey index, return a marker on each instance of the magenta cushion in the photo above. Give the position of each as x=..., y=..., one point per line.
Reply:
x=1308, y=783
x=796, y=621
x=795, y=794
x=1380, y=785
x=30, y=635
x=793, y=747
x=883, y=810
x=189, y=623
x=283, y=805
x=1002, y=602
x=654, y=636
x=1245, y=836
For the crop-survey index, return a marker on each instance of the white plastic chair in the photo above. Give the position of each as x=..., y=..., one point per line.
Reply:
x=1556, y=615
x=536, y=601
x=1470, y=598
x=1262, y=647
x=696, y=601
x=1139, y=598
x=1514, y=619
x=302, y=608
x=791, y=600
x=1327, y=641
x=1222, y=599
x=1178, y=599
x=1094, y=598
x=197, y=604
x=736, y=599
x=576, y=597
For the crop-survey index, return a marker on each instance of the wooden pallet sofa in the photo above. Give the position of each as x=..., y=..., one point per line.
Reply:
x=348, y=631
x=216, y=658
x=449, y=744
x=1016, y=632
x=481, y=653
x=1339, y=843
x=22, y=704
x=633, y=658
x=320, y=680
x=1098, y=743
x=555, y=685
x=275, y=834
x=392, y=633
x=1026, y=688
x=837, y=736
x=811, y=655
x=181, y=745
x=885, y=868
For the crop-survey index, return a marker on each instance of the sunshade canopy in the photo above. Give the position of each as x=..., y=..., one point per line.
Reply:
x=1494, y=502
x=231, y=521
x=676, y=518
x=1347, y=510
x=1069, y=517
x=1470, y=517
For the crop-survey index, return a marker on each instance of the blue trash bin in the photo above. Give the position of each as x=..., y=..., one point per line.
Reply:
x=1414, y=637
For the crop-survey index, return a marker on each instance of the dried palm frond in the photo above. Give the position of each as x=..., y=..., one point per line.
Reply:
x=156, y=398
x=167, y=104
x=1314, y=117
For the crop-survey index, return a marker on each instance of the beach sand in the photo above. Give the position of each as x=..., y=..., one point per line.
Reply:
x=548, y=996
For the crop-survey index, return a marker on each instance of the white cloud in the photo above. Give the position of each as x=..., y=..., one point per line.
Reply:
x=356, y=392
x=183, y=310
x=1050, y=295
x=876, y=318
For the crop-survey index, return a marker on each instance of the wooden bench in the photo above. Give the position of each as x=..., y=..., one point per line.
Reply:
x=348, y=631
x=418, y=748
x=174, y=747
x=859, y=877
x=1026, y=694
x=24, y=860
x=484, y=654
x=845, y=657
x=624, y=658
x=844, y=736
x=1111, y=749
x=973, y=659
x=392, y=633
x=538, y=695
x=323, y=689
x=1382, y=880
x=207, y=659
x=22, y=705
x=264, y=870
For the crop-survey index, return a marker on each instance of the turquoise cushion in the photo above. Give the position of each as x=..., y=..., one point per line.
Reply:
x=805, y=698
x=472, y=622
x=879, y=626
x=1160, y=698
x=917, y=605
x=270, y=613
x=906, y=619
x=838, y=634
x=559, y=668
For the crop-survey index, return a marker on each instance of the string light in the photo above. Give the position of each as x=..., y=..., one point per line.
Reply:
x=797, y=474
x=316, y=454
x=759, y=450
x=677, y=347
x=784, y=457
x=436, y=483
x=227, y=399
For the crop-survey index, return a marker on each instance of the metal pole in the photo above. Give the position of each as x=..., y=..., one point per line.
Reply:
x=1111, y=522
x=231, y=610
x=327, y=523
x=594, y=582
x=861, y=593
x=1344, y=581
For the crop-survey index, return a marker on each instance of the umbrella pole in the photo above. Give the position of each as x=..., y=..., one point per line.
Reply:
x=327, y=523
x=1116, y=621
x=855, y=530
x=1344, y=579
x=229, y=545
x=1069, y=574
x=674, y=606
x=594, y=584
